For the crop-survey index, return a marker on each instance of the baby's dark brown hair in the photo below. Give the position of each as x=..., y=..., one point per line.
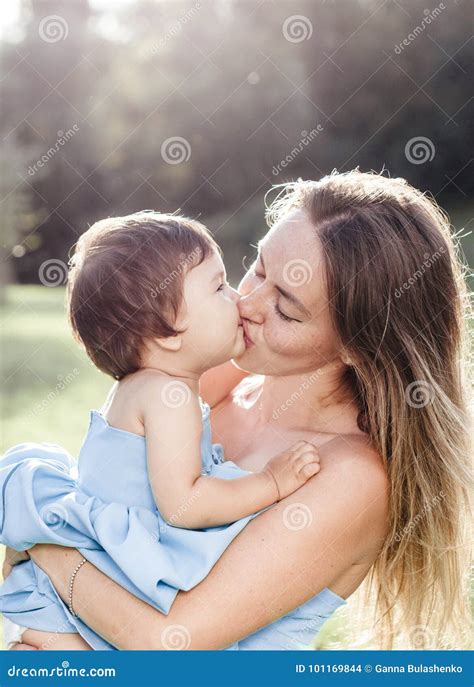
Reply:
x=126, y=284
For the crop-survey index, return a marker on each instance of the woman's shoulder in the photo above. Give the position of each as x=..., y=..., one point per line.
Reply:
x=350, y=495
x=353, y=468
x=354, y=450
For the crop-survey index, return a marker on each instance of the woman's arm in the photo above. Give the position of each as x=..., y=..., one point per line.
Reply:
x=218, y=382
x=281, y=559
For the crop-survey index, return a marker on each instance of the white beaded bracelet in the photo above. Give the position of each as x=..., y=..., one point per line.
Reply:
x=71, y=585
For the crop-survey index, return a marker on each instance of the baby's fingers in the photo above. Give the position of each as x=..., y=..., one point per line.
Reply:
x=309, y=470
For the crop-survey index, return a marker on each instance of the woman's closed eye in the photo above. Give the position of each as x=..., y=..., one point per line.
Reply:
x=283, y=316
x=261, y=275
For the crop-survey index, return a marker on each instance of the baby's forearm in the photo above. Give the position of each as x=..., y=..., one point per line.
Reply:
x=213, y=501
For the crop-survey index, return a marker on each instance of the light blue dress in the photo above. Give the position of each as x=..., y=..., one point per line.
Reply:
x=104, y=507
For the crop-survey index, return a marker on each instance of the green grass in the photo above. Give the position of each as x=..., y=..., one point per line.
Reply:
x=48, y=383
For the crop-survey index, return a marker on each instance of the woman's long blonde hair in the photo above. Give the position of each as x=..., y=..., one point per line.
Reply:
x=399, y=305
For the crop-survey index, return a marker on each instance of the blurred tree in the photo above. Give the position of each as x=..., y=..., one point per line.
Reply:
x=232, y=88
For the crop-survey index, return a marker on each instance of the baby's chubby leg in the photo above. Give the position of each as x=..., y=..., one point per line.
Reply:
x=55, y=641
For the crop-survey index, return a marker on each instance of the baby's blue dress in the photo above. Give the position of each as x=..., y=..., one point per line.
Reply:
x=104, y=507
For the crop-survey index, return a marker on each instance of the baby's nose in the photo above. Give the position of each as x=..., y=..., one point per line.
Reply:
x=234, y=294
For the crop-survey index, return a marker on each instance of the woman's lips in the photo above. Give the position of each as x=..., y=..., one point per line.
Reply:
x=247, y=339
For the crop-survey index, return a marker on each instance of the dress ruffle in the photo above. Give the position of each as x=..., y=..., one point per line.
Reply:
x=41, y=503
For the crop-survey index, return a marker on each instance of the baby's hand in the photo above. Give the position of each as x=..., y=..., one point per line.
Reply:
x=293, y=467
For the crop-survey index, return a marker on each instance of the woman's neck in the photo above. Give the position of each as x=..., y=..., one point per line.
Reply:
x=313, y=400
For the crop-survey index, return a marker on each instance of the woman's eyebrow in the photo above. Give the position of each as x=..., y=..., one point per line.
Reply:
x=296, y=302
x=286, y=294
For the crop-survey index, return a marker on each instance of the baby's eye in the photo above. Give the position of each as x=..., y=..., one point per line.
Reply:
x=221, y=287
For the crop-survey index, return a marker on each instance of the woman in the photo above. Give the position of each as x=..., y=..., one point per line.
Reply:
x=353, y=311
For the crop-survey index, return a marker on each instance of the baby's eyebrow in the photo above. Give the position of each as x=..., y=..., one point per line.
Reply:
x=218, y=275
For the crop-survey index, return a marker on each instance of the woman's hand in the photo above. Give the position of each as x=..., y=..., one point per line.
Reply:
x=11, y=559
x=19, y=646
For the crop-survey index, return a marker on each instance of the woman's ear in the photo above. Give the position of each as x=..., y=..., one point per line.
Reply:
x=345, y=357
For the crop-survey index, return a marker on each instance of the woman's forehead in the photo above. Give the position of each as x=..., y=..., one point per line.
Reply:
x=292, y=237
x=292, y=256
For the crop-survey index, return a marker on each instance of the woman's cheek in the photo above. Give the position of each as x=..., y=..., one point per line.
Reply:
x=277, y=338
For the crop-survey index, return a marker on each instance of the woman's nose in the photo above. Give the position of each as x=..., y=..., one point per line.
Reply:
x=249, y=307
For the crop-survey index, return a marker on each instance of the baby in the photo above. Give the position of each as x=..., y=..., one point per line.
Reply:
x=149, y=301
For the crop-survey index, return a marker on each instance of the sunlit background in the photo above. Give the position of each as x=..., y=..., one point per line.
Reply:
x=113, y=106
